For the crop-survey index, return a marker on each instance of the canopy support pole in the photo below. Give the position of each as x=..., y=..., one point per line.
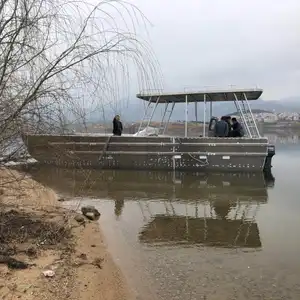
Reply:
x=145, y=113
x=204, y=116
x=186, y=116
x=153, y=111
x=148, y=118
x=240, y=111
x=169, y=117
x=252, y=117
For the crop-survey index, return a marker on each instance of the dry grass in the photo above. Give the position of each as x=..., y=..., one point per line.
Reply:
x=31, y=241
x=35, y=235
x=19, y=227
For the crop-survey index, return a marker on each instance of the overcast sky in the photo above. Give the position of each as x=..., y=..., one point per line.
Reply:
x=227, y=42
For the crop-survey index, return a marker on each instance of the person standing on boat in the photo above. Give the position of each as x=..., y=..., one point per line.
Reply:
x=117, y=126
x=221, y=128
x=237, y=128
x=228, y=120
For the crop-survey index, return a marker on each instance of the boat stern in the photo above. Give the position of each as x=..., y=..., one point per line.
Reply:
x=270, y=153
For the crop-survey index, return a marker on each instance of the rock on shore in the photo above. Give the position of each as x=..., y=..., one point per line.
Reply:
x=90, y=212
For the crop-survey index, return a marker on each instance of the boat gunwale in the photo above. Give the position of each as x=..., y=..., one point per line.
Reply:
x=158, y=144
x=150, y=137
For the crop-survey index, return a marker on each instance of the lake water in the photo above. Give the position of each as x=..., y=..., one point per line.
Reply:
x=197, y=236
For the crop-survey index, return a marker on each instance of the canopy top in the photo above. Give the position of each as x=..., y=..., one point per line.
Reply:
x=201, y=96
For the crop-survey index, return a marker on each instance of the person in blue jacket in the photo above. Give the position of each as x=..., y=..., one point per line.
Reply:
x=221, y=128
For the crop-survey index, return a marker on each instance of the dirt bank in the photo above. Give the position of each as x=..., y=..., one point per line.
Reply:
x=38, y=235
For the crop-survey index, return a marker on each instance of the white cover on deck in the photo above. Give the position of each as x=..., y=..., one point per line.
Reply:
x=148, y=131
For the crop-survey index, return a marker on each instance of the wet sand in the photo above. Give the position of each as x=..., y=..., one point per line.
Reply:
x=77, y=276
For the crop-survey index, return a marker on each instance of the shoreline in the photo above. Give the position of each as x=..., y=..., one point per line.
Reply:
x=82, y=265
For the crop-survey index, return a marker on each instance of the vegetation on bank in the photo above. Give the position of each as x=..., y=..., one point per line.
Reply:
x=59, y=58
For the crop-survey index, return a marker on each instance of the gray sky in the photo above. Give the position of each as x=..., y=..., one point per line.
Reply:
x=222, y=42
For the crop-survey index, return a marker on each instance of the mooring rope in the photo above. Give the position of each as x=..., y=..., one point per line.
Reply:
x=105, y=147
x=203, y=163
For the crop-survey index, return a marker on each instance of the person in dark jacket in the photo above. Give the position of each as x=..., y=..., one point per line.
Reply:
x=221, y=128
x=117, y=126
x=237, y=128
x=228, y=120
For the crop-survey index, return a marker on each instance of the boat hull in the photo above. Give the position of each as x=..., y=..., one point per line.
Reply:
x=149, y=153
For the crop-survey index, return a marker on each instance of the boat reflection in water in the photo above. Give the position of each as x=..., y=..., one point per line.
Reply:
x=225, y=208
x=206, y=209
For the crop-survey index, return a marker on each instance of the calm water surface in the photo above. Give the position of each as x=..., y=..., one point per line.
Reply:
x=197, y=236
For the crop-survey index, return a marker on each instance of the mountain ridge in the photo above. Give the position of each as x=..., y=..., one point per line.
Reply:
x=134, y=111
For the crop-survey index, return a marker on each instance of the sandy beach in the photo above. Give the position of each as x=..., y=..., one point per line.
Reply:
x=45, y=253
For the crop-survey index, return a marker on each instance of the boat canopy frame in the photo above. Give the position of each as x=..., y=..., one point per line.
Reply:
x=240, y=97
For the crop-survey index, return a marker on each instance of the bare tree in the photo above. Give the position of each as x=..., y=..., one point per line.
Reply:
x=60, y=57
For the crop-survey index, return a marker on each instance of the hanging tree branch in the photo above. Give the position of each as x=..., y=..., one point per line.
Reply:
x=60, y=56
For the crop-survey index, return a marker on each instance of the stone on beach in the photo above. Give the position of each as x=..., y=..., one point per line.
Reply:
x=90, y=212
x=80, y=219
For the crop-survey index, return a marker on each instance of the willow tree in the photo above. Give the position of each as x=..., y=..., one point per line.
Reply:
x=60, y=57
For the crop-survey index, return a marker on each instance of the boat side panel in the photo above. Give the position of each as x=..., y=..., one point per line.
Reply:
x=165, y=153
x=159, y=162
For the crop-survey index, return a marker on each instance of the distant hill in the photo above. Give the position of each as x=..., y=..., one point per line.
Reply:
x=254, y=110
x=134, y=110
